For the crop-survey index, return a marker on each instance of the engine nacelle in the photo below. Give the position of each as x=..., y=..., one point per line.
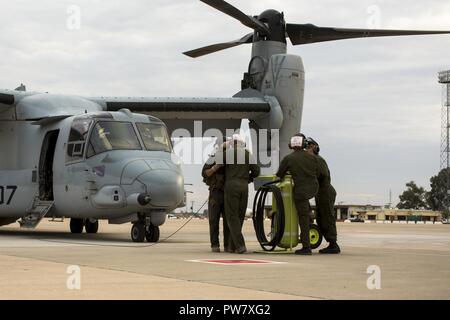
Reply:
x=280, y=79
x=285, y=80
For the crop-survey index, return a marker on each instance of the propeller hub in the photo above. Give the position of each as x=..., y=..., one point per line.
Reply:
x=274, y=20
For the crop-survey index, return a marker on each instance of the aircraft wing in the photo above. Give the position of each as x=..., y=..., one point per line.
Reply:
x=177, y=113
x=181, y=113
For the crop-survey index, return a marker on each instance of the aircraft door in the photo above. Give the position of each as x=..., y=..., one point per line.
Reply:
x=46, y=165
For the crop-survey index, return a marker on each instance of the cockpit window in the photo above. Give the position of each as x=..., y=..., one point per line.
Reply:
x=79, y=130
x=155, y=137
x=77, y=139
x=111, y=135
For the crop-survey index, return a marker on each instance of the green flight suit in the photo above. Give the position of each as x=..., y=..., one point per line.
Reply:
x=216, y=204
x=303, y=168
x=325, y=216
x=240, y=170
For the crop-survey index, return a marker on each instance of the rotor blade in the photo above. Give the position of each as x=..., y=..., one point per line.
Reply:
x=219, y=46
x=246, y=20
x=309, y=33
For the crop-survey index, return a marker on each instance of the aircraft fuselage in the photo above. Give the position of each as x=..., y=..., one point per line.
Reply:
x=99, y=165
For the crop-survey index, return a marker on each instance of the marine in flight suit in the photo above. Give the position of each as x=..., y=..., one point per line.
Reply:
x=325, y=199
x=240, y=170
x=303, y=168
x=216, y=204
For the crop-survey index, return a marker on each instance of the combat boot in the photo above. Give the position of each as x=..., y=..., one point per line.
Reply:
x=241, y=250
x=229, y=250
x=332, y=248
x=304, y=252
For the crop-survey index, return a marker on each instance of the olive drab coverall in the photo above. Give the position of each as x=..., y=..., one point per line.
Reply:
x=216, y=204
x=303, y=168
x=325, y=199
x=240, y=170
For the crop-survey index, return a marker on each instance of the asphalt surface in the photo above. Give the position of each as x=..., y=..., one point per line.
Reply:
x=413, y=263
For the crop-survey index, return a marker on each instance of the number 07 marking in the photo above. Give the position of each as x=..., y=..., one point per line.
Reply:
x=11, y=195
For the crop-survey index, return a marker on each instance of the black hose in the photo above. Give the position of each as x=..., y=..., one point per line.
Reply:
x=258, y=215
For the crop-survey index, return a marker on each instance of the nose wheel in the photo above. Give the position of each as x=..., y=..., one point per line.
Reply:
x=140, y=232
x=152, y=233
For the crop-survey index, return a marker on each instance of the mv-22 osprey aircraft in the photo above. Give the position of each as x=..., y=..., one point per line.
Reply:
x=92, y=158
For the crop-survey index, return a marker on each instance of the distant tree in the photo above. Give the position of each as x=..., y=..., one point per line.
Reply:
x=446, y=214
x=413, y=197
x=438, y=198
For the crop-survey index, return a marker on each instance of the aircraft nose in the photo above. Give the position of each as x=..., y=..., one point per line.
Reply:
x=165, y=187
x=163, y=180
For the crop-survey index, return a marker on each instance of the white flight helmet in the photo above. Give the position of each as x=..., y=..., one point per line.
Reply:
x=237, y=138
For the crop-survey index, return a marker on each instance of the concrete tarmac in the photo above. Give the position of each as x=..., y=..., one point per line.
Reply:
x=414, y=262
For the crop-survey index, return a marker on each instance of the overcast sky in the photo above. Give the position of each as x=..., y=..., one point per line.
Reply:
x=372, y=104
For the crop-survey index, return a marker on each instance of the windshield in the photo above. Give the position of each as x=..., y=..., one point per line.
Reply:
x=155, y=137
x=111, y=135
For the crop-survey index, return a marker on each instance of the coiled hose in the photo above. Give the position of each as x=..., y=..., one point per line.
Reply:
x=258, y=215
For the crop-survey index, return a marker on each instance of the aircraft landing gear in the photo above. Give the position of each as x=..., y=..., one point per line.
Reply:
x=140, y=232
x=76, y=225
x=91, y=226
x=152, y=233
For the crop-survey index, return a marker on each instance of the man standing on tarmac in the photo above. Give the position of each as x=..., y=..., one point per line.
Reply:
x=216, y=205
x=326, y=219
x=240, y=170
x=304, y=170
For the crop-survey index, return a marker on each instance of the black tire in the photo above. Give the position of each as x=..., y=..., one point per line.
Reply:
x=138, y=232
x=91, y=227
x=152, y=233
x=315, y=236
x=76, y=225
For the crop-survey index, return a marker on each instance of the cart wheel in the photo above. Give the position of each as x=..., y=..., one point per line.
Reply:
x=315, y=236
